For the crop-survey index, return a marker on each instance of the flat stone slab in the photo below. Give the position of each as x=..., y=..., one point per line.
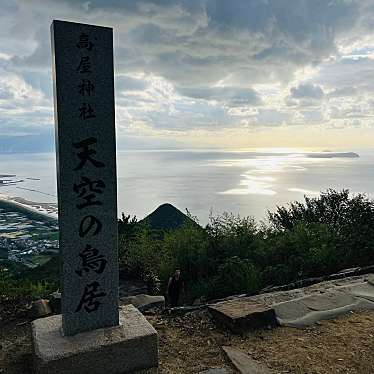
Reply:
x=327, y=301
x=241, y=315
x=144, y=302
x=131, y=347
x=370, y=279
x=304, y=311
x=245, y=364
x=297, y=308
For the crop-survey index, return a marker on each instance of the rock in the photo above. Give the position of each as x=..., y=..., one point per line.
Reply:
x=344, y=274
x=349, y=271
x=132, y=287
x=199, y=301
x=245, y=364
x=144, y=302
x=55, y=302
x=40, y=308
x=367, y=269
x=305, y=311
x=328, y=301
x=370, y=279
x=223, y=370
x=291, y=310
x=364, y=291
x=241, y=315
x=182, y=310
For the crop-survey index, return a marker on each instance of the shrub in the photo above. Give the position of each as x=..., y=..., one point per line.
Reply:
x=236, y=255
x=235, y=276
x=11, y=288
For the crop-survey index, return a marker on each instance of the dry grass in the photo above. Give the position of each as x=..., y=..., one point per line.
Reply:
x=192, y=343
x=344, y=345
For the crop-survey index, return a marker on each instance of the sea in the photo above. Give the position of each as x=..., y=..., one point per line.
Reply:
x=206, y=182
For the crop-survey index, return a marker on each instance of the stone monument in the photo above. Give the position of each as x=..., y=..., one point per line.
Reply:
x=92, y=335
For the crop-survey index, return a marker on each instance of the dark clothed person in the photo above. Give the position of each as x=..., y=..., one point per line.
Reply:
x=175, y=286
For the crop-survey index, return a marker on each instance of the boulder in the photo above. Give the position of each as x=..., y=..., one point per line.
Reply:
x=241, y=315
x=40, y=308
x=144, y=302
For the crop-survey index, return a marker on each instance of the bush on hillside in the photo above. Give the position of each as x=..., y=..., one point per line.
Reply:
x=236, y=255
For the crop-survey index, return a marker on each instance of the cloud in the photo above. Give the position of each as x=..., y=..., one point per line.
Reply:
x=272, y=117
x=188, y=64
x=348, y=72
x=232, y=96
x=343, y=92
x=307, y=91
x=313, y=116
x=126, y=83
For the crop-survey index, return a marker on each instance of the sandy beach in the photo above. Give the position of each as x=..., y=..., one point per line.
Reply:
x=46, y=210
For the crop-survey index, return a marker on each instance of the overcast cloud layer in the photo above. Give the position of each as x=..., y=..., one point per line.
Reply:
x=188, y=71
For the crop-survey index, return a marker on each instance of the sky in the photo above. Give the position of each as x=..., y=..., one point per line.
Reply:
x=202, y=73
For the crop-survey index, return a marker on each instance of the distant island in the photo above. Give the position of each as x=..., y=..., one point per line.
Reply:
x=328, y=154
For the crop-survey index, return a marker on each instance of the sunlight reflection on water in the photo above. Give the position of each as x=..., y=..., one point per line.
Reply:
x=267, y=166
x=248, y=183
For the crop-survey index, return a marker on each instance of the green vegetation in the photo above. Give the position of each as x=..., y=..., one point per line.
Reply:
x=17, y=282
x=234, y=255
x=3, y=253
x=47, y=271
x=15, y=289
x=37, y=260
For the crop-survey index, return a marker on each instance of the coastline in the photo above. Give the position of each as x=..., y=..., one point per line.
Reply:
x=43, y=211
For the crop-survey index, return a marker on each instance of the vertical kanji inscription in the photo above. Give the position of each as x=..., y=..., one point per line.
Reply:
x=87, y=191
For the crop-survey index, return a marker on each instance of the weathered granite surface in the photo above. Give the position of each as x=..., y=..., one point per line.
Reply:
x=131, y=347
x=304, y=311
x=297, y=308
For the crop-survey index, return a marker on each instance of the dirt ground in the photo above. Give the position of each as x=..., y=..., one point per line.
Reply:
x=344, y=345
x=192, y=343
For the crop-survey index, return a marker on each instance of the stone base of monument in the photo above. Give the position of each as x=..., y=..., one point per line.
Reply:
x=131, y=347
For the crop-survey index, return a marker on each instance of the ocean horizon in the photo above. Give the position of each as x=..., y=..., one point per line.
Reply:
x=242, y=182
